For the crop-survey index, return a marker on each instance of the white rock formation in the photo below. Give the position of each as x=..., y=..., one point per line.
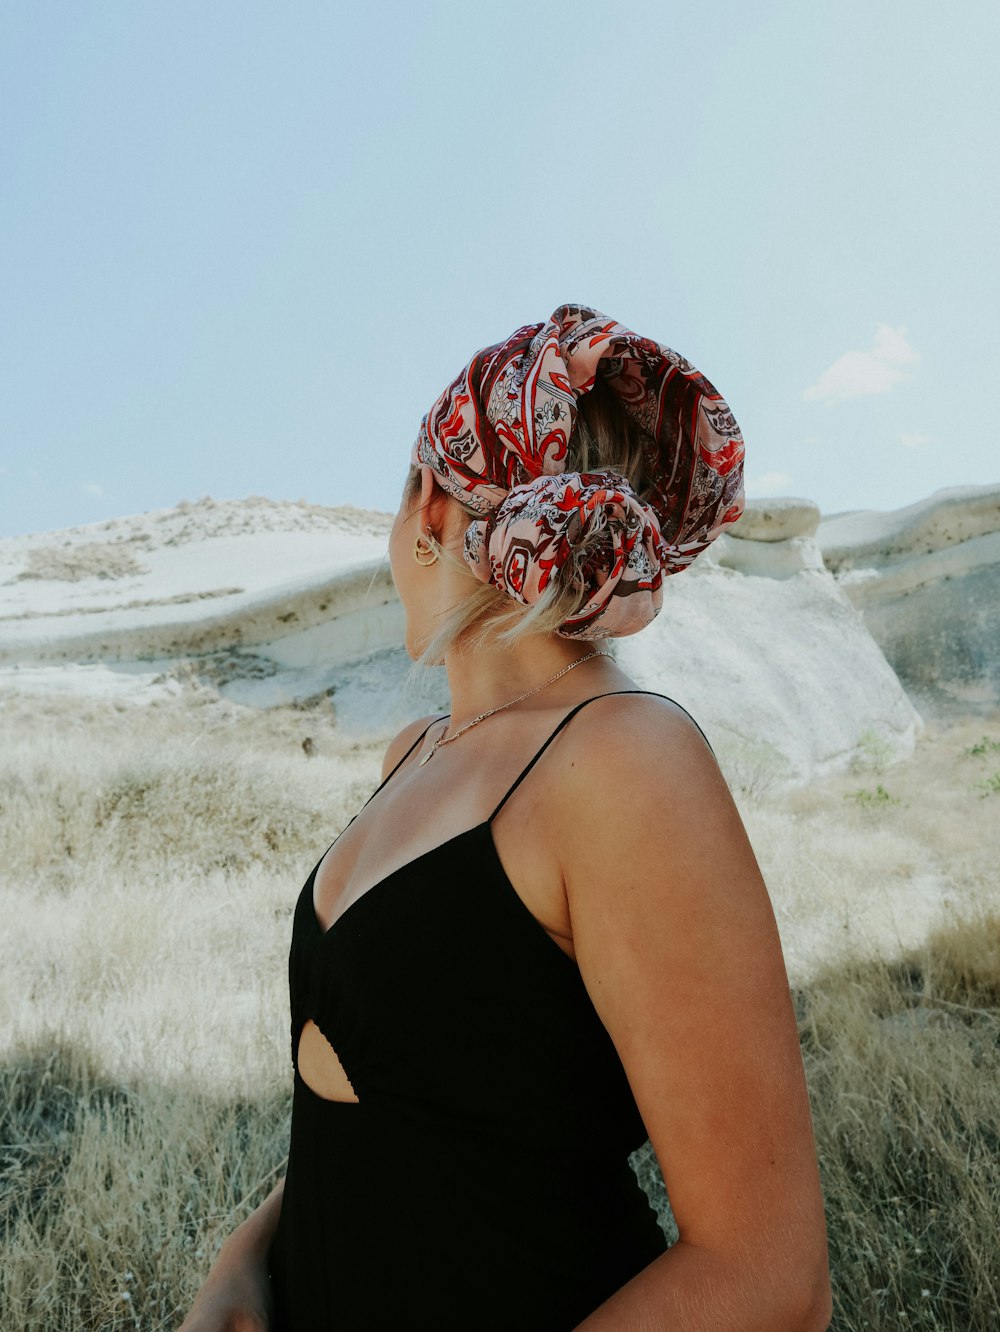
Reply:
x=274, y=602
x=926, y=579
x=774, y=662
x=199, y=579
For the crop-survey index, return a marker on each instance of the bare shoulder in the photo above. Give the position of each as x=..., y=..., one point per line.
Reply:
x=648, y=831
x=625, y=745
x=403, y=740
x=640, y=776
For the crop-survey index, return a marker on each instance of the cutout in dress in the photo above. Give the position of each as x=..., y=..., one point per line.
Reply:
x=320, y=1067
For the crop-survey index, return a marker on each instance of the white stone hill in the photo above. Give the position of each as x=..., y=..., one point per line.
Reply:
x=769, y=639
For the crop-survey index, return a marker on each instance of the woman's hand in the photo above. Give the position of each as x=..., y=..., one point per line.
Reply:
x=236, y=1294
x=231, y=1302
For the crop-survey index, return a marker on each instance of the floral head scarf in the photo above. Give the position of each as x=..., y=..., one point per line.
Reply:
x=497, y=438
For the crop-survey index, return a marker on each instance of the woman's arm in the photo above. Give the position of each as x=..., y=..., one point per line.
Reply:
x=236, y=1294
x=678, y=947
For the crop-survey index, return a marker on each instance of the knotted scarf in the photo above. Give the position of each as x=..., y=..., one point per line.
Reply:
x=497, y=438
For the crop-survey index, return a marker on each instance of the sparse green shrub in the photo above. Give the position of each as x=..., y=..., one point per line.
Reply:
x=872, y=799
x=872, y=752
x=982, y=747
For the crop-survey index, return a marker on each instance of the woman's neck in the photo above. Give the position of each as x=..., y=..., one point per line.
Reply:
x=485, y=678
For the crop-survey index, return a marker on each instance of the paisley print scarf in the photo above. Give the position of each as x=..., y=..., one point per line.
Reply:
x=497, y=438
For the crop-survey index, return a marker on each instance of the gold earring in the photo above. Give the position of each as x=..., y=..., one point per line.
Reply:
x=420, y=552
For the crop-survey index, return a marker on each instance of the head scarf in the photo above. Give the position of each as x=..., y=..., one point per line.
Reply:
x=497, y=438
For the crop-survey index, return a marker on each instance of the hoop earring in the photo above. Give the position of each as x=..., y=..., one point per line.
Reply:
x=420, y=552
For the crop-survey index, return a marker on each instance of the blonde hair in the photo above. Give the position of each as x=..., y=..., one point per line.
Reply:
x=604, y=438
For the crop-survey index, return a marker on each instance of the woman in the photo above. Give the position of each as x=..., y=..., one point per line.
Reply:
x=548, y=938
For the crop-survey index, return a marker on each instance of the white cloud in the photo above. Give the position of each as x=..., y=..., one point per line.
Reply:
x=92, y=488
x=767, y=484
x=863, y=374
x=914, y=441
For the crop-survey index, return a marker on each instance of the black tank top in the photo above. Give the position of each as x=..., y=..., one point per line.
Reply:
x=481, y=1181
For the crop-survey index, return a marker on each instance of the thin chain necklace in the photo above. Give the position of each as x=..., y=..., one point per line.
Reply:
x=527, y=694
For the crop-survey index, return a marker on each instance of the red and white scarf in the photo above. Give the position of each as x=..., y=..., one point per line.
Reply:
x=497, y=437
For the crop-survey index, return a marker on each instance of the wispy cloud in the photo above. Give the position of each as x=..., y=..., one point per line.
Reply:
x=863, y=374
x=767, y=484
x=914, y=441
x=92, y=488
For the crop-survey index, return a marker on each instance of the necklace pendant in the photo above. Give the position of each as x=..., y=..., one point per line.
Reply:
x=429, y=755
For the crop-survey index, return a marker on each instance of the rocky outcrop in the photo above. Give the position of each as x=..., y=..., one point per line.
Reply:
x=773, y=538
x=797, y=642
x=779, y=669
x=926, y=580
x=202, y=579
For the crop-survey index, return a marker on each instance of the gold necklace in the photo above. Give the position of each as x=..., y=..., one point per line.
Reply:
x=483, y=715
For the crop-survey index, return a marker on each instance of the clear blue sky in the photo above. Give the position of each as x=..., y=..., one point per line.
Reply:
x=245, y=245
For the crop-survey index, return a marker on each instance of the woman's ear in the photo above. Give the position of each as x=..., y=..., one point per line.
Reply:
x=427, y=486
x=434, y=505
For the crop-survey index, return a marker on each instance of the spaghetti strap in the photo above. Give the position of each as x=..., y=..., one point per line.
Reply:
x=572, y=713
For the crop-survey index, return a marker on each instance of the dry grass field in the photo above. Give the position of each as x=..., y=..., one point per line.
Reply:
x=150, y=860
